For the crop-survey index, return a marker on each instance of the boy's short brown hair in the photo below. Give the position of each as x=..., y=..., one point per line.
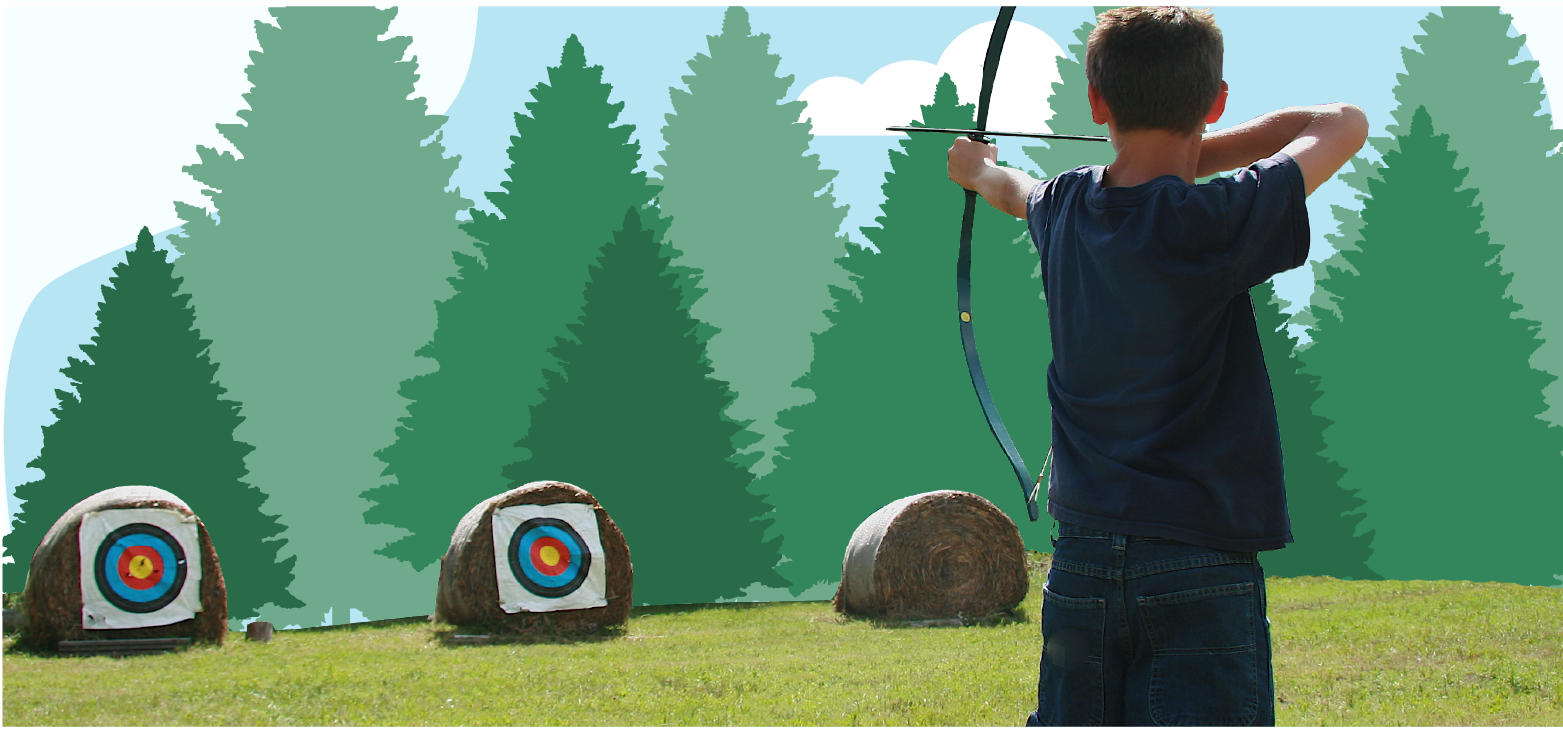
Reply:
x=1156, y=67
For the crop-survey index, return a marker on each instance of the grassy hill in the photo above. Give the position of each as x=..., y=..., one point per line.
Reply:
x=1346, y=653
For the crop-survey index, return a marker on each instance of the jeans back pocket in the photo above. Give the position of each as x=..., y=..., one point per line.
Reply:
x=1069, y=688
x=1204, y=655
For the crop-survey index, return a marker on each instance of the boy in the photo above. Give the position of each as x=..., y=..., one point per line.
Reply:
x=1167, y=455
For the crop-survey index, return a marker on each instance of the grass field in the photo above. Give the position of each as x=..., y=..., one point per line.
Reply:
x=1346, y=653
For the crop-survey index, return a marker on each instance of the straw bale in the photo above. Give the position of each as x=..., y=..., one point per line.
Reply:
x=52, y=596
x=939, y=555
x=468, y=593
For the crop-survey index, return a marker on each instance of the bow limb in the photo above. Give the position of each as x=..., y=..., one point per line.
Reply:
x=990, y=69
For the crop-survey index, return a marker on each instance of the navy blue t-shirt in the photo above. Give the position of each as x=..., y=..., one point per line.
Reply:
x=1163, y=420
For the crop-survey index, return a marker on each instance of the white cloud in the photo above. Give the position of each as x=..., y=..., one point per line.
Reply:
x=892, y=95
x=1543, y=31
x=442, y=39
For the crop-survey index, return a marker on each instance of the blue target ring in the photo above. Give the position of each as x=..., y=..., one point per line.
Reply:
x=549, y=574
x=156, y=551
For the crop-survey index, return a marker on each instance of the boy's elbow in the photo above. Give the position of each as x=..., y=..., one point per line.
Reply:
x=1356, y=122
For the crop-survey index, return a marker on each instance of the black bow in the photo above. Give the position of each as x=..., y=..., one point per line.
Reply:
x=1028, y=489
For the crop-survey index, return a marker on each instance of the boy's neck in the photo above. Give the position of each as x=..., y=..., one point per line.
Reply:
x=1146, y=154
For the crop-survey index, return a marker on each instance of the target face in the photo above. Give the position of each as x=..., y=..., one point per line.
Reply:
x=549, y=558
x=140, y=568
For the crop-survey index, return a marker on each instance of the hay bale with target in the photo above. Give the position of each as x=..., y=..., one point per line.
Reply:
x=130, y=562
x=543, y=557
x=938, y=555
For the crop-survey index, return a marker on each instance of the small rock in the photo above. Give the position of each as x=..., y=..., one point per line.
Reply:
x=13, y=620
x=258, y=631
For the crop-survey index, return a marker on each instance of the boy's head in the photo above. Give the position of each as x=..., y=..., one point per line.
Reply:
x=1156, y=68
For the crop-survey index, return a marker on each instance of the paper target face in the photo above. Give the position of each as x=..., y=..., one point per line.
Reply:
x=549, y=558
x=139, y=568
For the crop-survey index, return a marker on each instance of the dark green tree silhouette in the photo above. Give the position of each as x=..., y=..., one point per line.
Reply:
x=336, y=234
x=148, y=411
x=635, y=418
x=494, y=334
x=1326, y=543
x=1465, y=71
x=766, y=240
x=1430, y=404
x=895, y=414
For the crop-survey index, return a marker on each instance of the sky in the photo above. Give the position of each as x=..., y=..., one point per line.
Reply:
x=103, y=105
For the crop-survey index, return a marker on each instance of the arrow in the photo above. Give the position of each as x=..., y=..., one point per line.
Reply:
x=974, y=133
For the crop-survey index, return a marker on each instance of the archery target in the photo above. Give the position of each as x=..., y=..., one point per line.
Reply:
x=139, y=568
x=549, y=558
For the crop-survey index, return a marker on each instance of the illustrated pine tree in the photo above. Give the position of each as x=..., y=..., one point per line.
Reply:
x=336, y=234
x=1326, y=543
x=634, y=417
x=148, y=410
x=767, y=245
x=493, y=339
x=1466, y=71
x=895, y=414
x=1435, y=408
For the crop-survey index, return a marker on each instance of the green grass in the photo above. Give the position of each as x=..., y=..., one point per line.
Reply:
x=1347, y=653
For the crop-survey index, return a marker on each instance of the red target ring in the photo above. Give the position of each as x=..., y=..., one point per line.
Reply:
x=140, y=567
x=550, y=556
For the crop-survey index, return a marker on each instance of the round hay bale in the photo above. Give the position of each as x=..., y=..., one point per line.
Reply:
x=938, y=555
x=469, y=586
x=53, y=593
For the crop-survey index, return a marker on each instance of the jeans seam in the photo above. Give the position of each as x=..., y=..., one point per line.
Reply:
x=1194, y=594
x=1091, y=571
x=1202, y=561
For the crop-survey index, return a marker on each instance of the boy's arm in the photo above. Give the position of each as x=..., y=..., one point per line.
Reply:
x=974, y=166
x=1320, y=138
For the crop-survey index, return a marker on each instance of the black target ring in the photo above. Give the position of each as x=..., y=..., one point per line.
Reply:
x=521, y=565
x=115, y=590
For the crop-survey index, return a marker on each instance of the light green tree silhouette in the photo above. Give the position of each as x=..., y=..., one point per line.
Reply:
x=1465, y=71
x=148, y=410
x=634, y=418
x=1434, y=408
x=765, y=239
x=1326, y=543
x=494, y=334
x=1071, y=115
x=336, y=232
x=895, y=414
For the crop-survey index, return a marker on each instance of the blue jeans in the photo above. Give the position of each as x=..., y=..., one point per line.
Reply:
x=1150, y=631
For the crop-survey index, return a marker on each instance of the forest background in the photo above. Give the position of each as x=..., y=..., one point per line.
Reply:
x=373, y=418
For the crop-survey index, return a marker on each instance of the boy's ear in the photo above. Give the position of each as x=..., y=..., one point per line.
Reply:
x=1100, y=114
x=1218, y=108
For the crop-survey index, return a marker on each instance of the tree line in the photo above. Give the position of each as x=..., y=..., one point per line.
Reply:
x=335, y=369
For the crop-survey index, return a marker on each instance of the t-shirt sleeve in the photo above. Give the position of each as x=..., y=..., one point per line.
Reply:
x=1037, y=214
x=1267, y=220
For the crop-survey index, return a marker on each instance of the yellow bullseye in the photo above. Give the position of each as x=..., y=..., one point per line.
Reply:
x=549, y=554
x=140, y=566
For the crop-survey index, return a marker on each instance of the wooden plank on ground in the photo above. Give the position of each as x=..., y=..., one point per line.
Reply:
x=122, y=647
